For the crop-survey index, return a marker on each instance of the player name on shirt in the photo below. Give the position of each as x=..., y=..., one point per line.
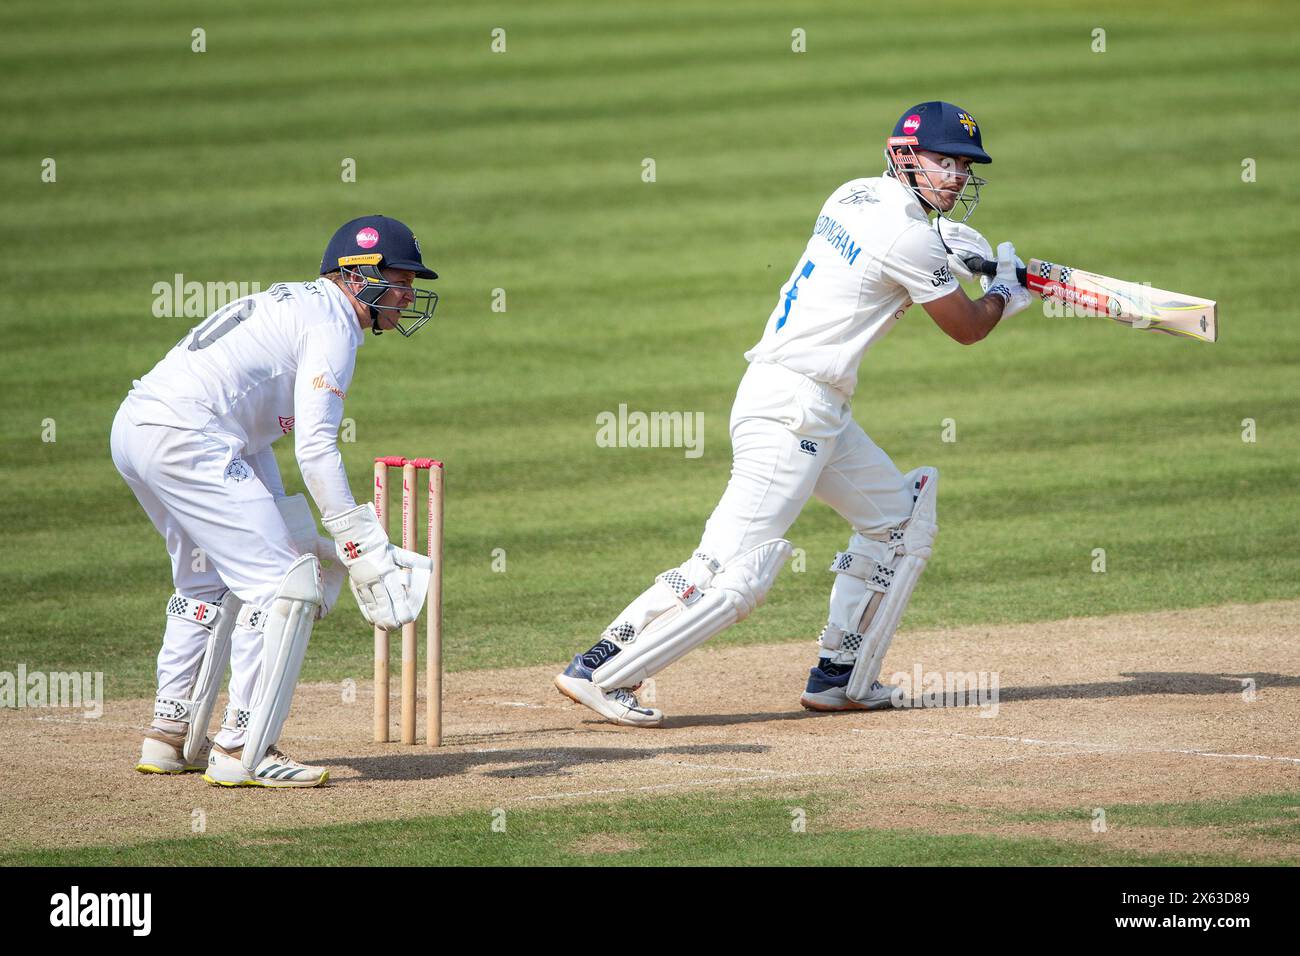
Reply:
x=838, y=237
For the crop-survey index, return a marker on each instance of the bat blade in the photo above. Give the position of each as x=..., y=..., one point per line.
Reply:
x=1131, y=303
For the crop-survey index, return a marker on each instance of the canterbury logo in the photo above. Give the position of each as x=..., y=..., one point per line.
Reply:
x=808, y=447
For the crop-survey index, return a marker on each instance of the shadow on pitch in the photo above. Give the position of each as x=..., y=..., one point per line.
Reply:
x=527, y=761
x=1138, y=684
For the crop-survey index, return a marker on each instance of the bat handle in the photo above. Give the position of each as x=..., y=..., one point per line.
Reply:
x=990, y=267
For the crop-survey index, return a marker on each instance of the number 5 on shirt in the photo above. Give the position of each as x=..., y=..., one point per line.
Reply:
x=793, y=294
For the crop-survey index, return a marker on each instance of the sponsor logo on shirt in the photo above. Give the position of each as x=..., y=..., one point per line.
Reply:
x=286, y=424
x=320, y=381
x=941, y=277
x=808, y=447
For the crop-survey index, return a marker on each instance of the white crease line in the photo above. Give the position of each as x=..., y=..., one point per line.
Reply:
x=1207, y=753
x=655, y=786
x=518, y=703
x=709, y=766
x=91, y=721
x=799, y=774
x=1020, y=740
x=1108, y=748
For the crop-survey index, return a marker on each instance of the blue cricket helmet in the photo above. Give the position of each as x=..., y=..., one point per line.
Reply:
x=361, y=248
x=360, y=240
x=943, y=128
x=938, y=127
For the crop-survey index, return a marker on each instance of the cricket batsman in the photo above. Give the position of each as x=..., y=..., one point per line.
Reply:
x=193, y=441
x=874, y=251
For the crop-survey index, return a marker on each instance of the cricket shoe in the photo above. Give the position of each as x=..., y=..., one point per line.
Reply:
x=827, y=690
x=226, y=769
x=618, y=706
x=164, y=753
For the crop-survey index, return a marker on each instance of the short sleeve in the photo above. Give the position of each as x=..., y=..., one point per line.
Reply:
x=919, y=263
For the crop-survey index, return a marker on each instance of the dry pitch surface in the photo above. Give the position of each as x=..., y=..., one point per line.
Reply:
x=1132, y=709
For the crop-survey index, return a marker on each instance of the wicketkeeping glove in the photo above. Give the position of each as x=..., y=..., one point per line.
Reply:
x=388, y=582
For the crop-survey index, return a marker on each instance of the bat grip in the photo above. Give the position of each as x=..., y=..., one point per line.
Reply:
x=990, y=267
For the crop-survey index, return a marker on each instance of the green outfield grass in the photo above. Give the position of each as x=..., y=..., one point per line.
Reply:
x=1270, y=814
x=522, y=171
x=688, y=830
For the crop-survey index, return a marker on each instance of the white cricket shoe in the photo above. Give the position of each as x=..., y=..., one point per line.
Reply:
x=164, y=753
x=827, y=685
x=225, y=769
x=617, y=706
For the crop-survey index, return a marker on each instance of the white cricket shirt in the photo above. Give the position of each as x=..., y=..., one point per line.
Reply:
x=261, y=367
x=872, y=254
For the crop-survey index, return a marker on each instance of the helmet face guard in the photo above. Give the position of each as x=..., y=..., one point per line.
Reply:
x=904, y=165
x=409, y=319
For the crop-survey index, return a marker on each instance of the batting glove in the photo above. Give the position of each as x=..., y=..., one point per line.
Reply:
x=1006, y=283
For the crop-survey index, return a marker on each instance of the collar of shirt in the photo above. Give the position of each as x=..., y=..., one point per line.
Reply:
x=911, y=205
x=344, y=304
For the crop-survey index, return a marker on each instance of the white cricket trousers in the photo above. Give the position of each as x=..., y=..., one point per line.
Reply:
x=793, y=438
x=222, y=530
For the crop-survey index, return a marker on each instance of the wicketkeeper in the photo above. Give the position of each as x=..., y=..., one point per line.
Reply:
x=193, y=440
x=873, y=252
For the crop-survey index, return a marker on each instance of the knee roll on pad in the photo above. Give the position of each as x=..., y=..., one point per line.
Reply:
x=286, y=628
x=218, y=618
x=687, y=606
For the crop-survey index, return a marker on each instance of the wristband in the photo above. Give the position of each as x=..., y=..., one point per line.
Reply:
x=1000, y=290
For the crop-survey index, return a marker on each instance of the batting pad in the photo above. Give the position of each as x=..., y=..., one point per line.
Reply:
x=286, y=628
x=916, y=545
x=219, y=619
x=729, y=598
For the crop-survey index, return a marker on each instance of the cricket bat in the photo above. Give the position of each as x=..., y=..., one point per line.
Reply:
x=1132, y=303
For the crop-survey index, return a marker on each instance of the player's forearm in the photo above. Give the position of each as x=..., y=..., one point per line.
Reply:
x=318, y=404
x=323, y=474
x=966, y=320
x=986, y=312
